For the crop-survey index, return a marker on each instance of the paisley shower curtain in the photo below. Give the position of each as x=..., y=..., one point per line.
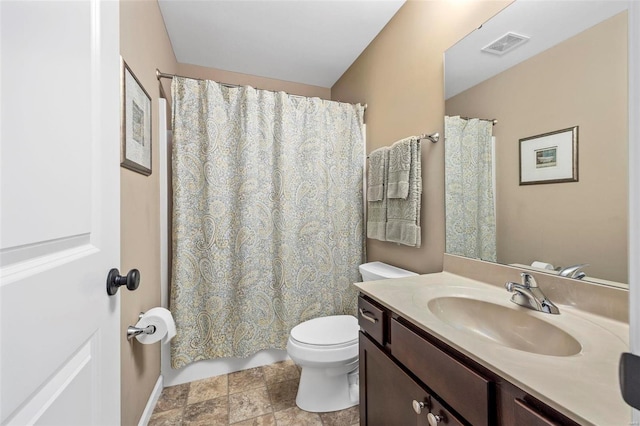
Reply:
x=267, y=216
x=469, y=194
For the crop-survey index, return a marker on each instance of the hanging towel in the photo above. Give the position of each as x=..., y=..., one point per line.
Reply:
x=399, y=168
x=377, y=209
x=403, y=215
x=376, y=175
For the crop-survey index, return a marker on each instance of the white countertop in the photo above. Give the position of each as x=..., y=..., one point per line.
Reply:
x=584, y=387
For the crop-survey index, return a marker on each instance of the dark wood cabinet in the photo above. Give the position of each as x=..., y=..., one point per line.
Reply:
x=389, y=396
x=402, y=366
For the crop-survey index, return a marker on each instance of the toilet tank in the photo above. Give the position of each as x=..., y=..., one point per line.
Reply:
x=380, y=271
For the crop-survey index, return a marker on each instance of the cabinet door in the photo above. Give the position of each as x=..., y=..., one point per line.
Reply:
x=387, y=393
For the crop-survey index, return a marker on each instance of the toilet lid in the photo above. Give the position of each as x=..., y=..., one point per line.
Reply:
x=332, y=330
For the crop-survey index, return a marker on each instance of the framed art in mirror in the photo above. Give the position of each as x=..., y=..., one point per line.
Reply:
x=135, y=123
x=559, y=85
x=550, y=157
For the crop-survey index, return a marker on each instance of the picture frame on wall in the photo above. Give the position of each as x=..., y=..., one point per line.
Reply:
x=135, y=123
x=550, y=157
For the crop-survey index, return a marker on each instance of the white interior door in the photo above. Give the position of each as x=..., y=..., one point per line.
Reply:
x=634, y=183
x=59, y=224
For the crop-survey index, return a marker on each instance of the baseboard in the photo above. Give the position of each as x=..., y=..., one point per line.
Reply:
x=151, y=403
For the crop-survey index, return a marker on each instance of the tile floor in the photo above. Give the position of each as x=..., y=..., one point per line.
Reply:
x=261, y=396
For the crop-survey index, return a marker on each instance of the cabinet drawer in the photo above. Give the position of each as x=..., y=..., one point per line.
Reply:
x=372, y=320
x=527, y=416
x=463, y=389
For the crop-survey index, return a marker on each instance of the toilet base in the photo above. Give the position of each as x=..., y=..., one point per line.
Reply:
x=320, y=391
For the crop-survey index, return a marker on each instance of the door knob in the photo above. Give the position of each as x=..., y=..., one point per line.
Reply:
x=115, y=280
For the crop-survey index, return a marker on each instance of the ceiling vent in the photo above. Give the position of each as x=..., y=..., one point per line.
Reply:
x=504, y=44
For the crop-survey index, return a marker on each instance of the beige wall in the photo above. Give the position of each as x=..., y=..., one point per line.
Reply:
x=222, y=76
x=581, y=82
x=145, y=46
x=400, y=77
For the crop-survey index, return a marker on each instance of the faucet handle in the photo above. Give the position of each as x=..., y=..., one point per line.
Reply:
x=528, y=280
x=573, y=271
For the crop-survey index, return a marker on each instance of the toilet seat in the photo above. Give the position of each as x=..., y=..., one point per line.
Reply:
x=334, y=331
x=327, y=341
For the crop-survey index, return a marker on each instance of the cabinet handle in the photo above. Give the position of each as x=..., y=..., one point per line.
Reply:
x=433, y=419
x=364, y=314
x=417, y=406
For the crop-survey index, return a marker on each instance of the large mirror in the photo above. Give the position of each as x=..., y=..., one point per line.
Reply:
x=569, y=73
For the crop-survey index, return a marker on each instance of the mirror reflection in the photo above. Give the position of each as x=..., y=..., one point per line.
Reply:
x=570, y=72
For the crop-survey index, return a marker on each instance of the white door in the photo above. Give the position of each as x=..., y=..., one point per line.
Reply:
x=60, y=207
x=634, y=183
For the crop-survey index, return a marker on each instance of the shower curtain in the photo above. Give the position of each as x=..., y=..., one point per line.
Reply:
x=267, y=216
x=469, y=194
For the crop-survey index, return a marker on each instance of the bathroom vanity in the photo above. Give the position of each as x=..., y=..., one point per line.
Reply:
x=419, y=365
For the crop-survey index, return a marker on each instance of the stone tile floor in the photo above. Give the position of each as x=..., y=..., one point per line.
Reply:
x=261, y=396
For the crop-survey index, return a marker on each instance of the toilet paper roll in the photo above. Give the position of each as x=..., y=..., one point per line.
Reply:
x=542, y=265
x=162, y=319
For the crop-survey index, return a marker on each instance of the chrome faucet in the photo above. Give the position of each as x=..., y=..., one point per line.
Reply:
x=573, y=271
x=529, y=295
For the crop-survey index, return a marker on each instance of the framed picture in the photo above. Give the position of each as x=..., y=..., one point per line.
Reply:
x=550, y=157
x=135, y=123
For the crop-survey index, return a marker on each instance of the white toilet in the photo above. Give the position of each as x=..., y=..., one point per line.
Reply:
x=327, y=350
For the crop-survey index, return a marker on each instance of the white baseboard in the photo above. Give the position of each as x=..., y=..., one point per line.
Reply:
x=151, y=403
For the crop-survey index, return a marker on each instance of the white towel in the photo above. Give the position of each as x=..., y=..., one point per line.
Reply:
x=403, y=215
x=377, y=210
x=399, y=168
x=376, y=174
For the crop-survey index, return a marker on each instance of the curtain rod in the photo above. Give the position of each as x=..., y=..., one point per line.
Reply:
x=433, y=137
x=160, y=75
x=492, y=120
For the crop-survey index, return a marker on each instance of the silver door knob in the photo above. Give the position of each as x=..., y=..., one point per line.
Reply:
x=433, y=419
x=417, y=406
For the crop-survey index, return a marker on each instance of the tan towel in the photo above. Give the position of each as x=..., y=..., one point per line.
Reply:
x=376, y=174
x=403, y=215
x=377, y=210
x=399, y=168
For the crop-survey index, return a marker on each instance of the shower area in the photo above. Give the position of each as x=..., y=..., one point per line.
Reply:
x=470, y=181
x=263, y=221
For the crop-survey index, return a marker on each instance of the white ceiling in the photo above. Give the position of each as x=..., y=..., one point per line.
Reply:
x=305, y=41
x=546, y=22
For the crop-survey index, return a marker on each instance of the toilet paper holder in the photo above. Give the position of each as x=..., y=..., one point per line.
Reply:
x=135, y=331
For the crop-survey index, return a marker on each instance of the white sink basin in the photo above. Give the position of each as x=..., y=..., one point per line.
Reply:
x=510, y=327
